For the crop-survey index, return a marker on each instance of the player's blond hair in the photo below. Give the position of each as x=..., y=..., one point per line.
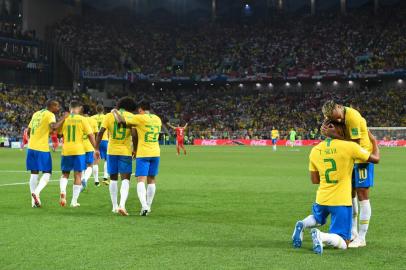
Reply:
x=328, y=108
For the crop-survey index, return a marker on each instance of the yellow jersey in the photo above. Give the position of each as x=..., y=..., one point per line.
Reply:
x=120, y=142
x=148, y=127
x=356, y=128
x=274, y=134
x=74, y=129
x=99, y=119
x=93, y=125
x=40, y=130
x=334, y=161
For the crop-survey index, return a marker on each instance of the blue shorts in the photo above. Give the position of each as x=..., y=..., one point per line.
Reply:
x=146, y=166
x=363, y=175
x=76, y=163
x=89, y=158
x=341, y=218
x=38, y=161
x=274, y=141
x=119, y=164
x=103, y=149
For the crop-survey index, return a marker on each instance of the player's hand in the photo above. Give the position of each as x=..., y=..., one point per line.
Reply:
x=327, y=129
x=96, y=154
x=66, y=115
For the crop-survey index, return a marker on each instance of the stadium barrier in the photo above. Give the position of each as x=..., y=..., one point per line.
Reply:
x=216, y=142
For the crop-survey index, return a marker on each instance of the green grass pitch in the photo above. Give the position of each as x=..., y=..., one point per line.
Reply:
x=218, y=208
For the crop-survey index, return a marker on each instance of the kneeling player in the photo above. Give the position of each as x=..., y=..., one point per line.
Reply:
x=148, y=127
x=331, y=164
x=74, y=129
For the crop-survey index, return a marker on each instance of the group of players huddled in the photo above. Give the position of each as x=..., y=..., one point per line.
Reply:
x=130, y=131
x=343, y=166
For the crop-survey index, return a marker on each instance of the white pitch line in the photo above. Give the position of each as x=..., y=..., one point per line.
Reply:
x=20, y=171
x=23, y=183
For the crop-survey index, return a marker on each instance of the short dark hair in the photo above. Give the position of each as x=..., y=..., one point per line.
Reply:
x=144, y=105
x=51, y=102
x=75, y=104
x=126, y=103
x=99, y=108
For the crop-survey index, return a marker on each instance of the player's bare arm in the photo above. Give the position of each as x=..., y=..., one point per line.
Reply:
x=58, y=125
x=169, y=125
x=134, y=138
x=375, y=155
x=315, y=177
x=97, y=142
x=119, y=118
x=185, y=126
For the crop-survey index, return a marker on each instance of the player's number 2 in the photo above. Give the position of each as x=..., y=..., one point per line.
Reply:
x=153, y=134
x=333, y=168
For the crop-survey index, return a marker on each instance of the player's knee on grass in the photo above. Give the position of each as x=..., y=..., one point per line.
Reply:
x=363, y=194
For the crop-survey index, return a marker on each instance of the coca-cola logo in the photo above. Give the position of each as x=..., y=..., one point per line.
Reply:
x=259, y=142
x=209, y=142
x=388, y=143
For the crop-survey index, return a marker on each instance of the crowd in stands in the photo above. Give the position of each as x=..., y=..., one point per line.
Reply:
x=116, y=43
x=17, y=104
x=224, y=112
x=251, y=112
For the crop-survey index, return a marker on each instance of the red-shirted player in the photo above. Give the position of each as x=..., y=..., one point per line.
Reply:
x=55, y=140
x=25, y=138
x=180, y=134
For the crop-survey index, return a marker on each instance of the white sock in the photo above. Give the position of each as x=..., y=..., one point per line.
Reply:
x=76, y=192
x=87, y=174
x=364, y=217
x=274, y=147
x=151, y=188
x=105, y=173
x=33, y=182
x=125, y=186
x=142, y=195
x=113, y=193
x=333, y=239
x=354, y=228
x=62, y=184
x=309, y=222
x=42, y=183
x=96, y=173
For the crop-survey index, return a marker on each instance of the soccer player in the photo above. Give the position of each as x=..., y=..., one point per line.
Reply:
x=363, y=175
x=331, y=164
x=180, y=137
x=90, y=161
x=274, y=137
x=38, y=156
x=74, y=130
x=148, y=127
x=99, y=117
x=119, y=153
x=292, y=137
x=55, y=140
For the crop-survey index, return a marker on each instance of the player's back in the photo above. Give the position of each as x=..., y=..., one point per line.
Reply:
x=40, y=129
x=74, y=128
x=148, y=127
x=274, y=133
x=120, y=135
x=334, y=161
x=99, y=119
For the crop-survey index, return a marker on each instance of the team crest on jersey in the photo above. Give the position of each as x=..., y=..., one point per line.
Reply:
x=354, y=131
